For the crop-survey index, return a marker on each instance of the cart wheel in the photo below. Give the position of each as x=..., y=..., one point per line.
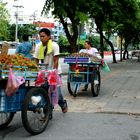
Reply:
x=73, y=89
x=76, y=88
x=36, y=111
x=95, y=88
x=5, y=119
x=69, y=86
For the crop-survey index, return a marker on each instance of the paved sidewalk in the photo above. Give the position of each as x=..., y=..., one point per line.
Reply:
x=121, y=88
x=120, y=91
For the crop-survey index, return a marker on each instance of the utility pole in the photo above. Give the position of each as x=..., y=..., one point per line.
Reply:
x=16, y=15
x=34, y=15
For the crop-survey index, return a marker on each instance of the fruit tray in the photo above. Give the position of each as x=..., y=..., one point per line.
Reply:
x=19, y=71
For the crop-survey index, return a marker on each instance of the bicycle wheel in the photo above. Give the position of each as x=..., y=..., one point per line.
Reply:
x=5, y=119
x=36, y=113
x=95, y=87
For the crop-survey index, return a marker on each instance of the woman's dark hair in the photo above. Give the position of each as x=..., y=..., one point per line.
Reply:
x=25, y=37
x=89, y=42
x=46, y=31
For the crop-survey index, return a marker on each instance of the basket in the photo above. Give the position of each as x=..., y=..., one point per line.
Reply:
x=12, y=103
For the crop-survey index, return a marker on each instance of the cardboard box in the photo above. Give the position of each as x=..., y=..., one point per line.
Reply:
x=5, y=47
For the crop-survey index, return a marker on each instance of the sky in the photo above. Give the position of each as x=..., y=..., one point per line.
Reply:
x=30, y=6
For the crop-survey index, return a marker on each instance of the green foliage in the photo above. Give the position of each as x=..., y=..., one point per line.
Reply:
x=110, y=16
x=81, y=44
x=11, y=32
x=74, y=12
x=130, y=29
x=64, y=44
x=4, y=17
x=117, y=16
x=28, y=29
x=62, y=41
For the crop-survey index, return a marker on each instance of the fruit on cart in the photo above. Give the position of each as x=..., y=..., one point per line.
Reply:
x=18, y=60
x=92, y=58
x=78, y=68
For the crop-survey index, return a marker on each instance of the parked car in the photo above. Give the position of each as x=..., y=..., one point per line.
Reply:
x=11, y=51
x=12, y=48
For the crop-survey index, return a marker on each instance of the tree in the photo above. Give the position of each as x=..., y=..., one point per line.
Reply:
x=130, y=30
x=71, y=13
x=29, y=29
x=11, y=32
x=111, y=16
x=4, y=18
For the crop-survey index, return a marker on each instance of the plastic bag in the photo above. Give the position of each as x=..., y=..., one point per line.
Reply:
x=40, y=78
x=53, y=94
x=54, y=81
x=13, y=83
x=54, y=78
x=105, y=67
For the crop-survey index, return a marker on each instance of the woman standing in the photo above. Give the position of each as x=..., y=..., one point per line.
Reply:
x=92, y=51
x=25, y=48
x=89, y=49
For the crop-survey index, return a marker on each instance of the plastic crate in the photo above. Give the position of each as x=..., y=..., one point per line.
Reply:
x=12, y=103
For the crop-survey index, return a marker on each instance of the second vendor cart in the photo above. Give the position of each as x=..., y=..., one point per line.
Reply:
x=83, y=71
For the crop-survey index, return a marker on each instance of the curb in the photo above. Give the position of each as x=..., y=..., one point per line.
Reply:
x=121, y=113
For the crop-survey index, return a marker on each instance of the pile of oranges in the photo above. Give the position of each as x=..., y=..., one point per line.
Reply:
x=18, y=60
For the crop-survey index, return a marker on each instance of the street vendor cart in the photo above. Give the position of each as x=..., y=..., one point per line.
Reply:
x=82, y=70
x=33, y=102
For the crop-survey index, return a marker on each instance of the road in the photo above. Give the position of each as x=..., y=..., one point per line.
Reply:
x=79, y=126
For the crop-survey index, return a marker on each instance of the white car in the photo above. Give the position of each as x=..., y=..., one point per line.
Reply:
x=11, y=51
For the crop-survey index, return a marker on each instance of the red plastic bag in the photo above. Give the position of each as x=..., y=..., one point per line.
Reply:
x=54, y=78
x=40, y=78
x=13, y=83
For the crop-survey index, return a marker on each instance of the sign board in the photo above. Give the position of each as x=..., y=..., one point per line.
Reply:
x=44, y=24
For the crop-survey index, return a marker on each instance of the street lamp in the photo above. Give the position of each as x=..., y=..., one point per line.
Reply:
x=16, y=15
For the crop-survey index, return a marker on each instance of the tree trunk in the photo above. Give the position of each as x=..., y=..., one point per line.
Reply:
x=102, y=44
x=72, y=39
x=112, y=49
x=121, y=50
x=98, y=22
